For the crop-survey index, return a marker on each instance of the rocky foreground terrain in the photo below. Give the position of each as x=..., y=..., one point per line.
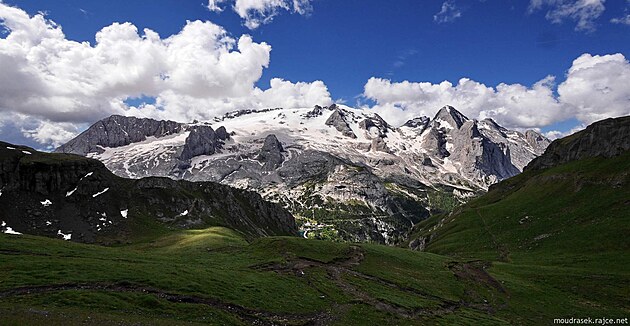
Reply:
x=344, y=173
x=76, y=198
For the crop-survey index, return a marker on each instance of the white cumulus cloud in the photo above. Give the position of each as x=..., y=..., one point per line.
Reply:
x=215, y=5
x=511, y=105
x=595, y=88
x=259, y=12
x=61, y=85
x=583, y=12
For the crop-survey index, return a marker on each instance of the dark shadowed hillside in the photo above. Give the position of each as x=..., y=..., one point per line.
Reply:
x=66, y=195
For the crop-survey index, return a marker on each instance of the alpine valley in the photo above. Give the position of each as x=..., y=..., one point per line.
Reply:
x=344, y=173
x=547, y=244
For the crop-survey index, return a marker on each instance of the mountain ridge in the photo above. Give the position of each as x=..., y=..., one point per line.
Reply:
x=422, y=167
x=79, y=198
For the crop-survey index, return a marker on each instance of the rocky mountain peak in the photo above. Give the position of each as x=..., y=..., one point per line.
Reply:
x=338, y=120
x=316, y=165
x=202, y=140
x=450, y=118
x=375, y=126
x=536, y=140
x=490, y=123
x=271, y=153
x=420, y=122
x=116, y=131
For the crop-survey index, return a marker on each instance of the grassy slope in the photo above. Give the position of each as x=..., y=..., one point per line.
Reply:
x=569, y=258
x=215, y=276
x=558, y=238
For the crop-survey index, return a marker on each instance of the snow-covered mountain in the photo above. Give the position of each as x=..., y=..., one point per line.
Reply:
x=343, y=172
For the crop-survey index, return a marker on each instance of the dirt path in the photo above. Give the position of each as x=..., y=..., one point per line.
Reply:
x=337, y=269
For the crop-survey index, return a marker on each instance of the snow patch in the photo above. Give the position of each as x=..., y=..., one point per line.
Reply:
x=48, y=223
x=123, y=213
x=46, y=203
x=100, y=193
x=69, y=193
x=27, y=152
x=8, y=229
x=444, y=124
x=9, y=147
x=65, y=236
x=11, y=231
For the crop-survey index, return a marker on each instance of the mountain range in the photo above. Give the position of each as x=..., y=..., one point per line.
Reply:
x=344, y=173
x=545, y=246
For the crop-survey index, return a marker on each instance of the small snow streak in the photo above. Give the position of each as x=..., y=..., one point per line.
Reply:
x=100, y=193
x=46, y=203
x=69, y=193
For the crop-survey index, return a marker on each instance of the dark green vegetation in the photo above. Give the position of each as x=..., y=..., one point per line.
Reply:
x=557, y=239
x=215, y=276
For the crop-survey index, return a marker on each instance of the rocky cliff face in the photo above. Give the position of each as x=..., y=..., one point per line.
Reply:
x=344, y=173
x=203, y=140
x=338, y=120
x=63, y=195
x=606, y=138
x=118, y=131
x=271, y=153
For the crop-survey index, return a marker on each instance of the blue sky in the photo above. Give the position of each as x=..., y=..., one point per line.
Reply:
x=345, y=43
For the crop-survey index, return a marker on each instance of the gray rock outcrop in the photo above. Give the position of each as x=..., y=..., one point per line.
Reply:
x=375, y=122
x=222, y=133
x=271, y=153
x=453, y=117
x=337, y=119
x=118, y=131
x=202, y=140
x=606, y=138
x=538, y=142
